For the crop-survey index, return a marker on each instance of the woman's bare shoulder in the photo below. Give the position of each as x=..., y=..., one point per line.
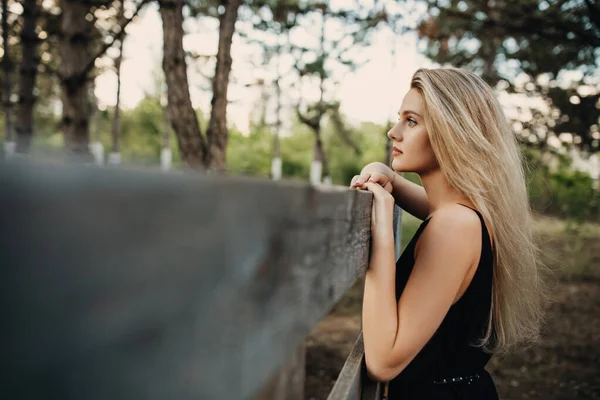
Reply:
x=452, y=225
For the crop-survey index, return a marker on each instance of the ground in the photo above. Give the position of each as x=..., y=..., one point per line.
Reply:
x=564, y=364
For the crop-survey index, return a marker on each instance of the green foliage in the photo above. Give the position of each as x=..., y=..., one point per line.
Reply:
x=575, y=194
x=566, y=193
x=297, y=153
x=250, y=155
x=411, y=176
x=344, y=163
x=141, y=138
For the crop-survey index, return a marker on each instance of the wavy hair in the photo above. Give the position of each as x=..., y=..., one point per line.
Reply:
x=479, y=156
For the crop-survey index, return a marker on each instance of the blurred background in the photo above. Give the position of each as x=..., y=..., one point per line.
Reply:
x=306, y=90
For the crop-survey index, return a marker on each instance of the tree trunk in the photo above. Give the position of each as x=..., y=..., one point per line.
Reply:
x=116, y=128
x=183, y=118
x=96, y=148
x=319, y=168
x=114, y=157
x=27, y=76
x=166, y=157
x=74, y=50
x=321, y=151
x=217, y=127
x=276, y=162
x=6, y=67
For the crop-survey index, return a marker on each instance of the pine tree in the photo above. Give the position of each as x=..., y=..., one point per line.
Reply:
x=501, y=39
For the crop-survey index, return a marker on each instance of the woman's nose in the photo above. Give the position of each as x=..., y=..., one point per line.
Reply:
x=394, y=134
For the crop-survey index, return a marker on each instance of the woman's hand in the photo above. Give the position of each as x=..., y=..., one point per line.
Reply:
x=374, y=172
x=382, y=214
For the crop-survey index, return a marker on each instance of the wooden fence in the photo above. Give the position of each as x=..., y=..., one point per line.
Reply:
x=120, y=284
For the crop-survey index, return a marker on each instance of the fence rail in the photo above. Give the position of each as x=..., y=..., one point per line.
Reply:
x=128, y=285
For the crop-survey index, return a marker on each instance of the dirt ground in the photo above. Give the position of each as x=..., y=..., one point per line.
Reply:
x=564, y=364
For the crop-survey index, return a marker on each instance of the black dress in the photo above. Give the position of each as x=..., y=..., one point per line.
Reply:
x=448, y=367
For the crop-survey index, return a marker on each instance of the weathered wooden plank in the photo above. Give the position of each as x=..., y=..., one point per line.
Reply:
x=371, y=390
x=353, y=383
x=288, y=382
x=128, y=285
x=348, y=385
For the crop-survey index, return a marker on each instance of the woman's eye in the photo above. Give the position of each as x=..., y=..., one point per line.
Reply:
x=411, y=120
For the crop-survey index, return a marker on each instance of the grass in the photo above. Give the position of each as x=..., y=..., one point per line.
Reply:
x=572, y=251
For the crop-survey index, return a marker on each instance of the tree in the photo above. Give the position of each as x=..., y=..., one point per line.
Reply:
x=27, y=75
x=196, y=150
x=278, y=18
x=158, y=92
x=115, y=154
x=330, y=51
x=192, y=145
x=217, y=126
x=506, y=39
x=77, y=61
x=44, y=86
x=7, y=90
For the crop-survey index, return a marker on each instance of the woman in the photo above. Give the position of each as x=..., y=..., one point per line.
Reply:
x=468, y=284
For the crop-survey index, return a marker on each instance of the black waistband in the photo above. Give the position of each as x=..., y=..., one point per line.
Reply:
x=457, y=379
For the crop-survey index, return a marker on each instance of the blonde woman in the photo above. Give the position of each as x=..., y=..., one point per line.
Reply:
x=468, y=285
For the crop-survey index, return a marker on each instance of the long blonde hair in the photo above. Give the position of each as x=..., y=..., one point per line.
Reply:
x=479, y=156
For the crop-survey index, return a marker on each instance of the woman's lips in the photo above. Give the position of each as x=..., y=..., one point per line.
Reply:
x=396, y=152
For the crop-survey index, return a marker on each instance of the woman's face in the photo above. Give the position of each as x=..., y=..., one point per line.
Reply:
x=409, y=135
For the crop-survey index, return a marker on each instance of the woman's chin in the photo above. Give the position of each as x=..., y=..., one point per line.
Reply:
x=397, y=165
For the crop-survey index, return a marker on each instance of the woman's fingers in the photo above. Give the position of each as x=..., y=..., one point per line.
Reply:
x=388, y=187
x=376, y=188
x=379, y=192
x=379, y=178
x=359, y=180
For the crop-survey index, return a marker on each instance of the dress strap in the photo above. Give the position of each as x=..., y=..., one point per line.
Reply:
x=477, y=211
x=487, y=233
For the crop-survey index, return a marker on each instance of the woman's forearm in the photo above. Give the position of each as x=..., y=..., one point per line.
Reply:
x=409, y=196
x=380, y=312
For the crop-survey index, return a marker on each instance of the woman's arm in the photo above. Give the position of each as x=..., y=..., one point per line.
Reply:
x=394, y=332
x=409, y=196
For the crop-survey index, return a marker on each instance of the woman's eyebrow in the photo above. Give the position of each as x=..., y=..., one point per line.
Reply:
x=409, y=112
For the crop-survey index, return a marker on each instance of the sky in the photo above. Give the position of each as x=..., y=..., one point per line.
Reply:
x=372, y=93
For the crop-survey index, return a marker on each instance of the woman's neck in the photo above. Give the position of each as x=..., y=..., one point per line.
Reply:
x=439, y=192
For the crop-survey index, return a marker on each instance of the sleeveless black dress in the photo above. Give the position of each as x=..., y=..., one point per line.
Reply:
x=448, y=367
